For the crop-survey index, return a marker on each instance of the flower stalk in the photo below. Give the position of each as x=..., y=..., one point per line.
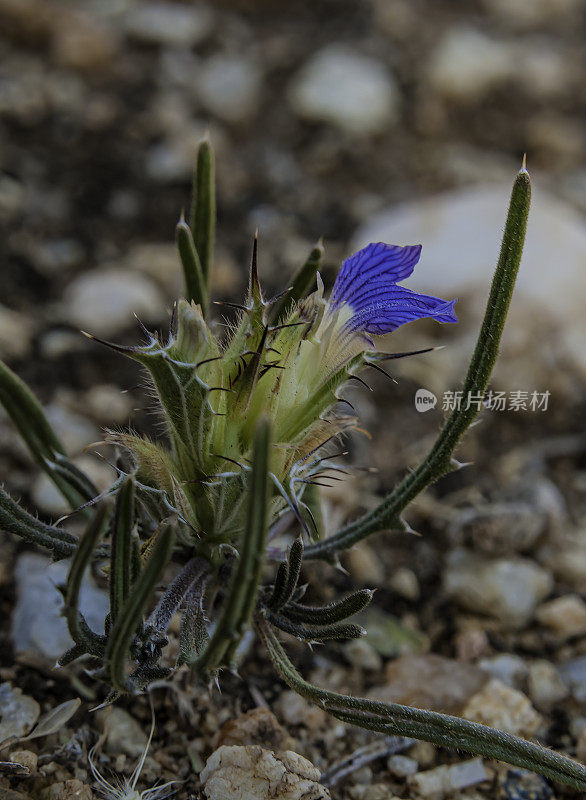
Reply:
x=439, y=461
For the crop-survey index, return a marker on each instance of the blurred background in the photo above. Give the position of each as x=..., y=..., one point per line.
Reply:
x=396, y=120
x=356, y=120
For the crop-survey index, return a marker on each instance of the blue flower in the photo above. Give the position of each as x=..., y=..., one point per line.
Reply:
x=368, y=300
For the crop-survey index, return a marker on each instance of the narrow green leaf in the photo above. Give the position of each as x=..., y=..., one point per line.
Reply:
x=278, y=594
x=334, y=612
x=442, y=729
x=80, y=631
x=16, y=520
x=121, y=556
x=438, y=461
x=67, y=471
x=243, y=589
x=29, y=419
x=202, y=220
x=316, y=633
x=303, y=282
x=196, y=288
x=312, y=504
x=289, y=577
x=130, y=617
x=193, y=632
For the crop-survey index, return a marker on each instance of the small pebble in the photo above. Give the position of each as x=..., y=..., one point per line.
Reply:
x=565, y=616
x=258, y=726
x=404, y=582
x=18, y=712
x=123, y=732
x=229, y=87
x=354, y=92
x=169, y=24
x=26, y=758
x=501, y=707
x=362, y=655
x=296, y=710
x=509, y=668
x=545, y=685
x=519, y=784
x=401, y=766
x=441, y=781
x=103, y=301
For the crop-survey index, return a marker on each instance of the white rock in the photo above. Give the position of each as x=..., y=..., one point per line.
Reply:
x=349, y=90
x=460, y=233
x=467, y=64
x=103, y=301
x=506, y=588
x=545, y=685
x=253, y=773
x=169, y=24
x=565, y=616
x=229, y=87
x=435, y=784
x=37, y=623
x=503, y=708
x=16, y=333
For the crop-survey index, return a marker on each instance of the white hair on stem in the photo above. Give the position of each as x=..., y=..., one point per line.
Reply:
x=125, y=788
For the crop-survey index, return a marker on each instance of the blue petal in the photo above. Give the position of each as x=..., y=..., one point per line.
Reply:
x=377, y=264
x=394, y=307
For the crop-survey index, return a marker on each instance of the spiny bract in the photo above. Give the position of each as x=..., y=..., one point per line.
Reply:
x=212, y=393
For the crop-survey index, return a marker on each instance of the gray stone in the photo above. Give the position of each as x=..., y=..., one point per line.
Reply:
x=16, y=334
x=344, y=88
x=568, y=562
x=506, y=588
x=545, y=685
x=123, y=733
x=74, y=431
x=430, y=681
x=573, y=673
x=18, y=712
x=401, y=766
x=362, y=655
x=467, y=63
x=503, y=708
x=565, y=616
x=169, y=24
x=103, y=301
x=37, y=624
x=229, y=87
